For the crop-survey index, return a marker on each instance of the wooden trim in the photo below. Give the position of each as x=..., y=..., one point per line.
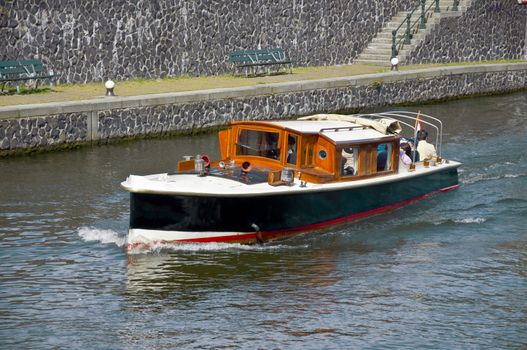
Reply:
x=306, y=159
x=223, y=137
x=312, y=168
x=185, y=165
x=259, y=161
x=328, y=163
x=316, y=175
x=340, y=160
x=285, y=149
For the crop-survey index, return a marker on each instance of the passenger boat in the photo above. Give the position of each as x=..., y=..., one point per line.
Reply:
x=278, y=179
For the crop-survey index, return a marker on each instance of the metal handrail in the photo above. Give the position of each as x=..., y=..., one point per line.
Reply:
x=406, y=35
x=426, y=119
x=397, y=45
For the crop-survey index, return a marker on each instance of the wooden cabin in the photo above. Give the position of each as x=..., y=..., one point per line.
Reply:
x=320, y=150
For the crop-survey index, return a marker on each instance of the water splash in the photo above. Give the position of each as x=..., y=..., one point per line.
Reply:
x=208, y=246
x=472, y=179
x=470, y=221
x=90, y=234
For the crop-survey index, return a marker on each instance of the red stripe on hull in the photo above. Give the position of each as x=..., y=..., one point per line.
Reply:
x=254, y=237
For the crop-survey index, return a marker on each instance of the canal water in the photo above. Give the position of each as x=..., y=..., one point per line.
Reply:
x=448, y=272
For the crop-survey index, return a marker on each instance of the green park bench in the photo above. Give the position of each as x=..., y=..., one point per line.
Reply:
x=23, y=70
x=252, y=60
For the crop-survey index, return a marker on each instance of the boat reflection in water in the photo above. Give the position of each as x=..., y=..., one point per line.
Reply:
x=278, y=179
x=196, y=270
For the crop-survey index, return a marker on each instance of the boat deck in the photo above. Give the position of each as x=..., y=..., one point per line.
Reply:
x=225, y=186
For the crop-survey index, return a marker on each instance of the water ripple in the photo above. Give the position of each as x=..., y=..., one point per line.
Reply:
x=447, y=272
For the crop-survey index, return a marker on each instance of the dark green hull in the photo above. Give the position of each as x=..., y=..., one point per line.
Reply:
x=271, y=216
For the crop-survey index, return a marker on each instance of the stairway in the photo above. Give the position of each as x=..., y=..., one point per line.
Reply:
x=379, y=50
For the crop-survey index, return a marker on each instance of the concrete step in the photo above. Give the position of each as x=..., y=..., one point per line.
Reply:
x=371, y=49
x=397, y=20
x=382, y=41
x=373, y=62
x=385, y=55
x=388, y=35
x=420, y=34
x=385, y=51
x=388, y=42
x=378, y=47
x=394, y=26
x=379, y=50
x=375, y=57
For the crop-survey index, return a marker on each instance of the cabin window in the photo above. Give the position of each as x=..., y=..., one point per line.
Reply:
x=350, y=161
x=322, y=154
x=384, y=156
x=308, y=150
x=291, y=148
x=258, y=143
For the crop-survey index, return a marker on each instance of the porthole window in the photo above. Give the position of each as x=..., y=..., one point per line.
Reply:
x=322, y=154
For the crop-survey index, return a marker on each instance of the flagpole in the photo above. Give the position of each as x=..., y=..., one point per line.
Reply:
x=417, y=123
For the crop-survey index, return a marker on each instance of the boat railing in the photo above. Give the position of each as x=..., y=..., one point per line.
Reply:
x=343, y=128
x=403, y=117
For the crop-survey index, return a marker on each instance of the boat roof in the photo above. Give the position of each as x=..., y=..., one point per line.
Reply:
x=311, y=126
x=336, y=131
x=355, y=135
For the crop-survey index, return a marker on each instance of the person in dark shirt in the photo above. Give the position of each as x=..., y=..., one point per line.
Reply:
x=382, y=156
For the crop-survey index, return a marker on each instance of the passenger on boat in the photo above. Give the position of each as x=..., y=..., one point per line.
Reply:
x=348, y=157
x=411, y=149
x=291, y=149
x=382, y=157
x=404, y=153
x=413, y=152
x=426, y=150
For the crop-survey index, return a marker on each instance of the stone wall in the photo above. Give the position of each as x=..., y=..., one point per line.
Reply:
x=489, y=30
x=173, y=113
x=43, y=132
x=88, y=40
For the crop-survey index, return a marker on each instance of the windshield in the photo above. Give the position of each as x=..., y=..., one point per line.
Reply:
x=258, y=143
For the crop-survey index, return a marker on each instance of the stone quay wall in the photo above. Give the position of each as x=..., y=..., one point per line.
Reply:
x=89, y=40
x=58, y=125
x=489, y=30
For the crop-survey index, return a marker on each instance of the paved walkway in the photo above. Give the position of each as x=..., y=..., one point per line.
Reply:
x=139, y=87
x=88, y=91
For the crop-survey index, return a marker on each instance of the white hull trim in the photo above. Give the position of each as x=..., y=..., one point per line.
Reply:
x=141, y=236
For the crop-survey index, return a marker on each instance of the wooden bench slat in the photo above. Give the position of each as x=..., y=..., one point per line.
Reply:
x=20, y=70
x=261, y=57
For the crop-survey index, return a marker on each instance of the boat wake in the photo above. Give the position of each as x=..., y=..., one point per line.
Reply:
x=208, y=246
x=486, y=177
x=106, y=236
x=90, y=234
x=470, y=221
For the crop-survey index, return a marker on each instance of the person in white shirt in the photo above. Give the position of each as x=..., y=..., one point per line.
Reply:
x=426, y=150
x=350, y=165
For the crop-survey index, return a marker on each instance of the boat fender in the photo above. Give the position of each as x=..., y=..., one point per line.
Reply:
x=199, y=166
x=206, y=160
x=246, y=167
x=259, y=236
x=287, y=176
